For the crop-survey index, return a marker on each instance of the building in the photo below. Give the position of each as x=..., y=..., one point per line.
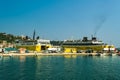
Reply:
x=27, y=44
x=42, y=45
x=39, y=45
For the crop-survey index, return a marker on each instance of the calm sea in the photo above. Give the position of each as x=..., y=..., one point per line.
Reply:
x=60, y=68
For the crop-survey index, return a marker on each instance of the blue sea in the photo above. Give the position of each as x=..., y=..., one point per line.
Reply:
x=60, y=68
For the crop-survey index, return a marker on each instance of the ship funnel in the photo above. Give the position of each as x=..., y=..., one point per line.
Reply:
x=94, y=38
x=85, y=39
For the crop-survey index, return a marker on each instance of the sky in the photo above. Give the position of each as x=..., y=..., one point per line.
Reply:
x=62, y=19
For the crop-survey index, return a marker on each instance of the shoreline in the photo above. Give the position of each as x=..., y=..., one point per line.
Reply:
x=49, y=54
x=41, y=54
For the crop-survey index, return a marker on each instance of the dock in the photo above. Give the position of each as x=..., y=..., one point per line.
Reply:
x=48, y=54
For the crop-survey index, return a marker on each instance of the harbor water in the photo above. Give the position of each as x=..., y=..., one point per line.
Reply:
x=60, y=68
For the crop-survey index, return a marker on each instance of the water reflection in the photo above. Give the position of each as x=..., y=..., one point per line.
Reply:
x=1, y=57
x=22, y=58
x=44, y=67
x=70, y=56
x=59, y=68
x=70, y=68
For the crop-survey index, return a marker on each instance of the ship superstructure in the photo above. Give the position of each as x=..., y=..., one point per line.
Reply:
x=86, y=45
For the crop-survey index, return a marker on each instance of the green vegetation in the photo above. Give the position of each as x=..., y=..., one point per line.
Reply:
x=8, y=37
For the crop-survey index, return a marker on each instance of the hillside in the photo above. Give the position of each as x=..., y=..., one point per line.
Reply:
x=8, y=37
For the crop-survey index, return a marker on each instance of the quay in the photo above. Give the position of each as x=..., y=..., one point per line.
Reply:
x=40, y=54
x=49, y=54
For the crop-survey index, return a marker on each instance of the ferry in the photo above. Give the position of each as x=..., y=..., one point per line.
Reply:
x=84, y=45
x=87, y=46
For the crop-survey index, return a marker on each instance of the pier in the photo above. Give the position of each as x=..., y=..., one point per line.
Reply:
x=53, y=54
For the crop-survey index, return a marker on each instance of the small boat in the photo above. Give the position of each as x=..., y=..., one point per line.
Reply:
x=106, y=54
x=97, y=54
x=114, y=54
x=89, y=54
